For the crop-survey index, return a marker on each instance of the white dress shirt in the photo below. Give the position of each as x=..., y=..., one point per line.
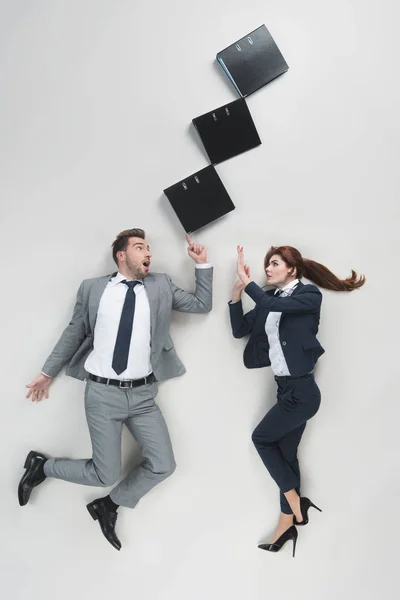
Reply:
x=112, y=301
x=276, y=356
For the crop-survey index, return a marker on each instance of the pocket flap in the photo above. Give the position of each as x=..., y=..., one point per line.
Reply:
x=311, y=342
x=169, y=344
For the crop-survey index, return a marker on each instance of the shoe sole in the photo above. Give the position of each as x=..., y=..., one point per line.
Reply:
x=20, y=498
x=26, y=466
x=92, y=512
x=29, y=458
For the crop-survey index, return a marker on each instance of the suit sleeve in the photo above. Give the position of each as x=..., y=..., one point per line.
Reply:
x=199, y=301
x=306, y=302
x=70, y=340
x=241, y=324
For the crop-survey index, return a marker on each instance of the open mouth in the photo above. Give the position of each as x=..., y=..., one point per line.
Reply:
x=146, y=264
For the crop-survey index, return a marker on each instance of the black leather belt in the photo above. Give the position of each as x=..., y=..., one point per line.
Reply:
x=124, y=383
x=285, y=378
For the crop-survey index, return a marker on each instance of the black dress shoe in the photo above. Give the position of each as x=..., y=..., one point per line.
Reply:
x=106, y=519
x=305, y=505
x=32, y=477
x=289, y=534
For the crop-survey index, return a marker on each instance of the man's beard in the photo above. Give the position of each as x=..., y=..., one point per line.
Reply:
x=134, y=271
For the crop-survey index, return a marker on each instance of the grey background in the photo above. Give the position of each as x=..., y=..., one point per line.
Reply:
x=95, y=108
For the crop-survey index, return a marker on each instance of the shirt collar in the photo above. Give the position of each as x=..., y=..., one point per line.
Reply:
x=119, y=277
x=289, y=286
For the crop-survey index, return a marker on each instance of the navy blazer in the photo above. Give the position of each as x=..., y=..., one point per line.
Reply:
x=297, y=329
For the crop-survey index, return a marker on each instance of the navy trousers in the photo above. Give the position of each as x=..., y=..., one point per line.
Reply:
x=278, y=435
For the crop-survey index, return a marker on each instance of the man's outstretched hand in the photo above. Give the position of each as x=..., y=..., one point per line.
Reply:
x=196, y=251
x=38, y=387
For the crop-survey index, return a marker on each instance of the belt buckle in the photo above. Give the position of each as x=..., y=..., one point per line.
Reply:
x=129, y=381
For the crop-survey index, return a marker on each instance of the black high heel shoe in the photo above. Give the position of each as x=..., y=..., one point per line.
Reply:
x=305, y=504
x=289, y=534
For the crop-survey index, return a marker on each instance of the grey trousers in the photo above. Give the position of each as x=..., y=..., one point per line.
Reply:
x=107, y=409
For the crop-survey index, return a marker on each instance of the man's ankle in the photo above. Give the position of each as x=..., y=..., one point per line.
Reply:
x=110, y=505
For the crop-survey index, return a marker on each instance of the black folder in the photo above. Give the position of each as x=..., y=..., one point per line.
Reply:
x=199, y=199
x=227, y=131
x=253, y=61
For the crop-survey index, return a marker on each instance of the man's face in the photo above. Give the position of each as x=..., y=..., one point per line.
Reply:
x=136, y=258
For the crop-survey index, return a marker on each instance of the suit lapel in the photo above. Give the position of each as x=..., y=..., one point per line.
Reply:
x=99, y=286
x=297, y=288
x=153, y=294
x=295, y=291
x=95, y=294
x=262, y=315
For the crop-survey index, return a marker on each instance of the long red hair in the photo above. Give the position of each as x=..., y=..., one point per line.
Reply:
x=314, y=271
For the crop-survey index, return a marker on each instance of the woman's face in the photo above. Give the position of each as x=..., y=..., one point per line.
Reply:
x=278, y=273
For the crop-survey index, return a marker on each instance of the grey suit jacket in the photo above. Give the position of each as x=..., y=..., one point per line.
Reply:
x=76, y=341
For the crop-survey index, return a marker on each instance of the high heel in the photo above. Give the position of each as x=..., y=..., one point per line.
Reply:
x=305, y=504
x=289, y=534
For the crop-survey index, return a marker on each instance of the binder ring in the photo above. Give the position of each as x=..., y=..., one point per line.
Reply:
x=238, y=47
x=184, y=185
x=197, y=180
x=250, y=40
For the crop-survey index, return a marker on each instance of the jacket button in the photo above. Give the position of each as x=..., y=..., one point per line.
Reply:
x=283, y=343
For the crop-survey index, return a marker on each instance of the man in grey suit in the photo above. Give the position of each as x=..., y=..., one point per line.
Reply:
x=118, y=342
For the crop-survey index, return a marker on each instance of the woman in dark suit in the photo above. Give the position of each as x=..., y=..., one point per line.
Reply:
x=283, y=328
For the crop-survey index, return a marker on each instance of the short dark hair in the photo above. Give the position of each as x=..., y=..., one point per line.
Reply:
x=122, y=240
